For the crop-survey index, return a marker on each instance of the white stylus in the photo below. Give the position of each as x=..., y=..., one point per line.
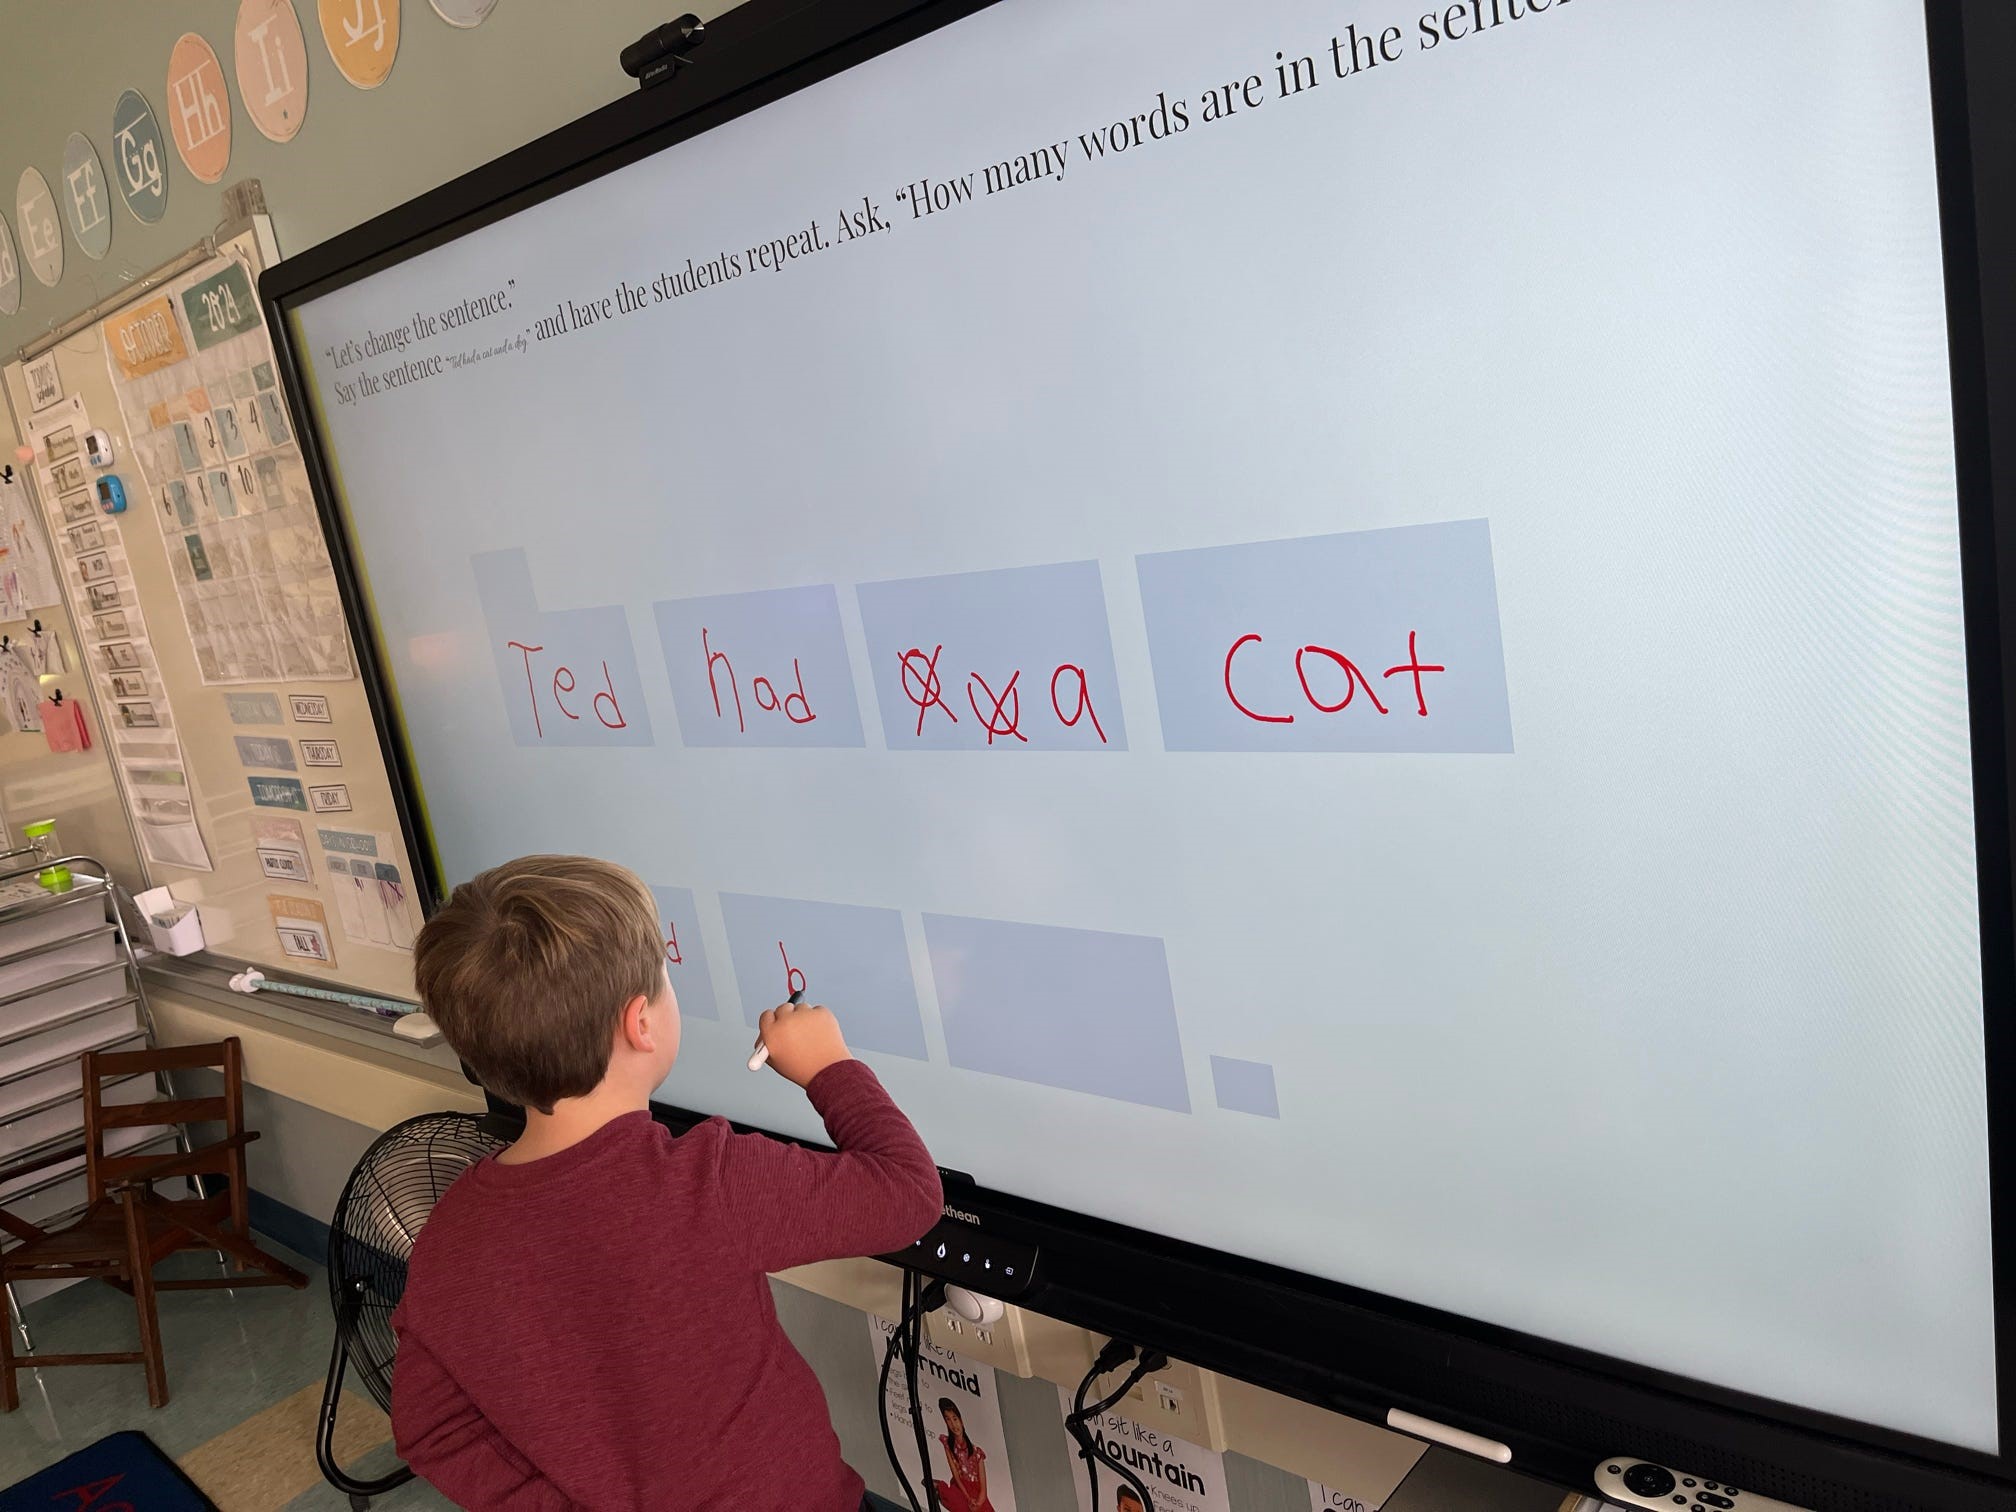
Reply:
x=760, y=1057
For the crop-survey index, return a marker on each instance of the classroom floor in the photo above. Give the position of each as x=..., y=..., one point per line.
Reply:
x=245, y=1376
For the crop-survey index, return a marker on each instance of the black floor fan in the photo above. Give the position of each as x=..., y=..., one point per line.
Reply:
x=384, y=1205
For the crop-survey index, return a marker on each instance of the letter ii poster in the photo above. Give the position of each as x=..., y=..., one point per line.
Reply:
x=962, y=1424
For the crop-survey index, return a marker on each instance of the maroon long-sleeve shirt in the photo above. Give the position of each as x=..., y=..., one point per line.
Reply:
x=595, y=1330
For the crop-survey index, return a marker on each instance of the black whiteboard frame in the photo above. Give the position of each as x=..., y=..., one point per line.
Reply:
x=1560, y=1409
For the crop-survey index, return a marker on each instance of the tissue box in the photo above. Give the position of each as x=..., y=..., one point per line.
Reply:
x=176, y=927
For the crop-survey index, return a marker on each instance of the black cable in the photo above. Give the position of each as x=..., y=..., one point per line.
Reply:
x=1110, y=1358
x=882, y=1401
x=906, y=1337
x=925, y=1302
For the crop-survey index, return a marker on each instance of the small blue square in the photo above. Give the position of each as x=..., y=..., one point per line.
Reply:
x=1245, y=1086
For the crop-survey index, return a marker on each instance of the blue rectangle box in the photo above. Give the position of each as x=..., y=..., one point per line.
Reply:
x=1079, y=1009
x=854, y=959
x=1018, y=659
x=1244, y=1086
x=685, y=952
x=760, y=669
x=1376, y=640
x=568, y=676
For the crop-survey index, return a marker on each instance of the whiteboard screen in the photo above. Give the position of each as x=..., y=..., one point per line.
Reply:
x=1360, y=663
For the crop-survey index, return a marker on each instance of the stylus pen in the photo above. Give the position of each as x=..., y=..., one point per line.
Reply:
x=760, y=1057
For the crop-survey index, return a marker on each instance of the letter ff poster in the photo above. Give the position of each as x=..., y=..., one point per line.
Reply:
x=1181, y=1476
x=962, y=1424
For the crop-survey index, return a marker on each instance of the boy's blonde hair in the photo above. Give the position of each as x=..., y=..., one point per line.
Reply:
x=528, y=967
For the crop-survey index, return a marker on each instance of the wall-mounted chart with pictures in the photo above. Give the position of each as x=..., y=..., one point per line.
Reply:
x=207, y=619
x=194, y=372
x=117, y=652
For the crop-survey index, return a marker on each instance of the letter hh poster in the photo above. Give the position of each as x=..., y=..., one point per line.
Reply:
x=969, y=1457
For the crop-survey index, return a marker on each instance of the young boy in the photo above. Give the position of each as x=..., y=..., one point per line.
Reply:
x=587, y=1322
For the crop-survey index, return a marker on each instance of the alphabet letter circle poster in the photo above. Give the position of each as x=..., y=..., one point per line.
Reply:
x=41, y=231
x=199, y=108
x=87, y=198
x=272, y=56
x=363, y=38
x=464, y=13
x=140, y=157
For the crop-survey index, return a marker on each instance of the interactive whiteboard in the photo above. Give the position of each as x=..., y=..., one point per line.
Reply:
x=1340, y=641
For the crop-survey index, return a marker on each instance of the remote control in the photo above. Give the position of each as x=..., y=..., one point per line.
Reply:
x=1637, y=1483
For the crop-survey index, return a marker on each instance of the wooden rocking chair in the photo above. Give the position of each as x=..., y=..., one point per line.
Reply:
x=128, y=1228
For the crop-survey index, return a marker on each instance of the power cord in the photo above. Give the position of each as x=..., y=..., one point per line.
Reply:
x=935, y=1293
x=1111, y=1358
x=919, y=1298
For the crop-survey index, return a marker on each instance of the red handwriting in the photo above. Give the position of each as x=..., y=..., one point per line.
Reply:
x=1353, y=680
x=1001, y=720
x=672, y=955
x=1237, y=646
x=1330, y=665
x=922, y=687
x=999, y=714
x=794, y=979
x=87, y=1496
x=1416, y=667
x=1083, y=709
x=794, y=706
x=608, y=712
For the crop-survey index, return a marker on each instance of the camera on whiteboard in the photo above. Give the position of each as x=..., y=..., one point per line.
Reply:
x=661, y=52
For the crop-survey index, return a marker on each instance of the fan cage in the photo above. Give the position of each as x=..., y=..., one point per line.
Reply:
x=384, y=1205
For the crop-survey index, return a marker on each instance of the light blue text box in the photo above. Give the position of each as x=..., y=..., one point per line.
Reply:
x=760, y=669
x=568, y=676
x=685, y=954
x=1079, y=1009
x=1043, y=627
x=1244, y=1086
x=1251, y=643
x=853, y=959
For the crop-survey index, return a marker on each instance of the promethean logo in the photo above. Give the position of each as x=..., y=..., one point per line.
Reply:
x=963, y=1216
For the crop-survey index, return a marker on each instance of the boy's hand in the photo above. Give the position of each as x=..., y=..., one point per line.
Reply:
x=803, y=1041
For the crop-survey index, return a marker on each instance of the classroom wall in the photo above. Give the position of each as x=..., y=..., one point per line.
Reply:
x=454, y=100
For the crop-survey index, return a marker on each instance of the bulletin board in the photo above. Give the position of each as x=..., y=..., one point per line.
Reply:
x=221, y=677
